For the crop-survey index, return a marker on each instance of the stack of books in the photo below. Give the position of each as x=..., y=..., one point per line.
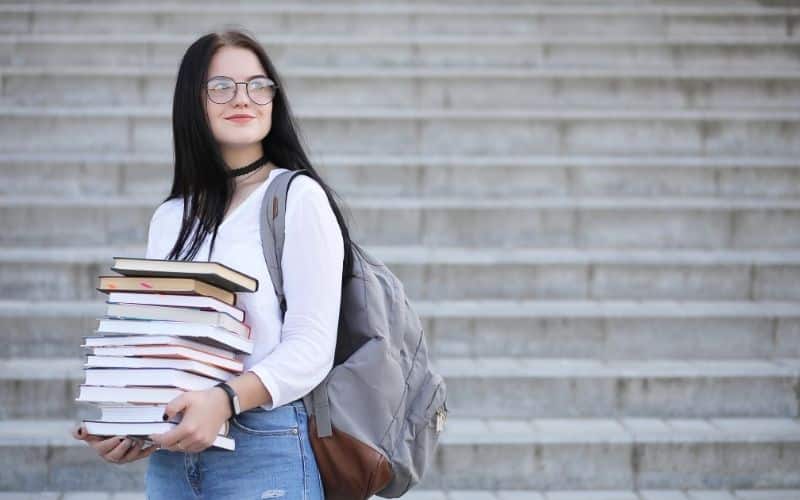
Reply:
x=170, y=327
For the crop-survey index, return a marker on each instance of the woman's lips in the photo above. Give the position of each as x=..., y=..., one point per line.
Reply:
x=240, y=119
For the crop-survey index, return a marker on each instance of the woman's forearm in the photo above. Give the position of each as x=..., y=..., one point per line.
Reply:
x=250, y=390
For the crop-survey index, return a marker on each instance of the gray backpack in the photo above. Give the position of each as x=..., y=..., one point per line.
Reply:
x=375, y=420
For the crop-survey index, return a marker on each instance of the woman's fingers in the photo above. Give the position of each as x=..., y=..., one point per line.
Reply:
x=117, y=452
x=105, y=446
x=116, y=449
x=80, y=433
x=137, y=452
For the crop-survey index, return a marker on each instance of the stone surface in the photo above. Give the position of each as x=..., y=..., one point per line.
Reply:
x=593, y=206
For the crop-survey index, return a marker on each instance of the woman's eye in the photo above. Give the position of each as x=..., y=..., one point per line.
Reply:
x=219, y=86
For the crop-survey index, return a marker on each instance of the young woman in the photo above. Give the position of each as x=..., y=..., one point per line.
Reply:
x=233, y=132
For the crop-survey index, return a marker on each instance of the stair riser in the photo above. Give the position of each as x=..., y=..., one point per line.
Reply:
x=655, y=228
x=676, y=397
x=349, y=23
x=559, y=466
x=554, y=54
x=607, y=466
x=442, y=281
x=110, y=179
x=584, y=338
x=430, y=92
x=537, y=397
x=615, y=337
x=387, y=135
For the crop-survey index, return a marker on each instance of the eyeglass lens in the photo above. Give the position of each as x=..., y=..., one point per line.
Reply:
x=222, y=89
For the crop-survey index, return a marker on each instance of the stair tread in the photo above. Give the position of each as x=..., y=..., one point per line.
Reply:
x=496, y=367
x=424, y=8
x=397, y=113
x=495, y=308
x=414, y=38
x=452, y=202
x=409, y=254
x=415, y=160
x=369, y=70
x=56, y=432
x=464, y=494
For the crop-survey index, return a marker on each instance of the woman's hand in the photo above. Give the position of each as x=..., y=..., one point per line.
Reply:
x=204, y=412
x=115, y=449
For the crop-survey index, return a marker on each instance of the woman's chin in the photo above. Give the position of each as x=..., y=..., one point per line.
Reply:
x=240, y=139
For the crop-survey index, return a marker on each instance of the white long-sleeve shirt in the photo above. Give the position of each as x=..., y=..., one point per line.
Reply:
x=292, y=356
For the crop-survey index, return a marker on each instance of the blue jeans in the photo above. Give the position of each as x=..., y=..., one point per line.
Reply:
x=273, y=459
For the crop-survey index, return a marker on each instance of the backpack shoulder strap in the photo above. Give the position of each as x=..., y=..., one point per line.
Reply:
x=273, y=206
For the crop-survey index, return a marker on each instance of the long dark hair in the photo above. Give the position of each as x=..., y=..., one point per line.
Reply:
x=200, y=171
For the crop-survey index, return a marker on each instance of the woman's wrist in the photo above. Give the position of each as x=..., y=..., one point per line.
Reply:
x=222, y=401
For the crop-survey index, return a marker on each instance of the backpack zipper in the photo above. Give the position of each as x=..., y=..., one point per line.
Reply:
x=441, y=418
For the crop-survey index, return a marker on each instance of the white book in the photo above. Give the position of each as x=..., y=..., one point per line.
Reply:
x=169, y=299
x=118, y=340
x=184, y=314
x=144, y=413
x=102, y=394
x=170, y=351
x=177, y=364
x=135, y=413
x=214, y=335
x=148, y=377
x=144, y=429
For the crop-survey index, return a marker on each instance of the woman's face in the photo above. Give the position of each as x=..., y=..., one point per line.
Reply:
x=241, y=65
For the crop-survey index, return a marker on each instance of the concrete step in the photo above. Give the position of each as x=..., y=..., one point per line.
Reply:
x=65, y=273
x=510, y=222
x=532, y=454
x=435, y=18
x=163, y=49
x=521, y=4
x=434, y=131
x=597, y=330
x=460, y=494
x=77, y=175
x=552, y=388
x=508, y=387
x=620, y=452
x=405, y=88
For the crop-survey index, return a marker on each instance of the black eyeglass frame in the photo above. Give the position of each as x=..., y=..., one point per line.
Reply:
x=236, y=89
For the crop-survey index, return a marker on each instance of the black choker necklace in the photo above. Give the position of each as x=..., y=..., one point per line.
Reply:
x=248, y=168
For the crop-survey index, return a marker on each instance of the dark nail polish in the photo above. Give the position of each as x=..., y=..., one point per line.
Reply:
x=165, y=417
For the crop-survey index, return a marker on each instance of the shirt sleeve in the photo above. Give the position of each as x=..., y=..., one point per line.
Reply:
x=158, y=243
x=312, y=263
x=152, y=238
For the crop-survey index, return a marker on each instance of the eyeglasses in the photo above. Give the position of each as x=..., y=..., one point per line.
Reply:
x=222, y=89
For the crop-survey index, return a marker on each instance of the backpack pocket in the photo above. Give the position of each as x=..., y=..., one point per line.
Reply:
x=435, y=413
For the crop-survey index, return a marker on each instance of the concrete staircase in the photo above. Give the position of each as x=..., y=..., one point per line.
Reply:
x=594, y=204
